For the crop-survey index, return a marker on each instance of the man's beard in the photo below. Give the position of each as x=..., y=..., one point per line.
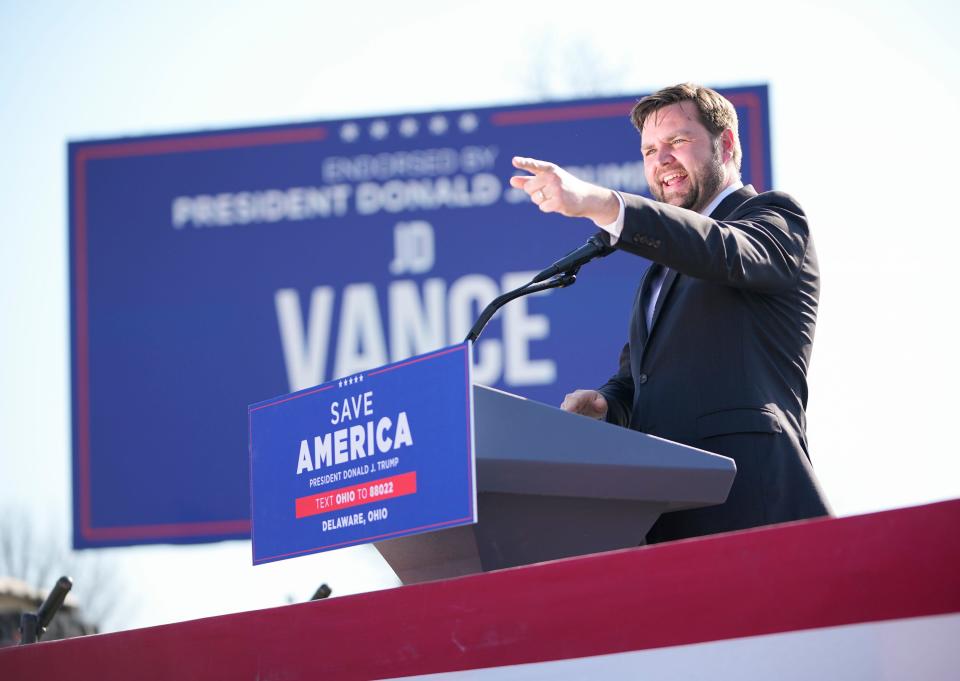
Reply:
x=705, y=183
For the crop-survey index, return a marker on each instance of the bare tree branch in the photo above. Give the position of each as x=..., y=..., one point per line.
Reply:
x=564, y=68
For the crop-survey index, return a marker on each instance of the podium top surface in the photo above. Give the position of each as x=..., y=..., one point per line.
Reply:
x=532, y=448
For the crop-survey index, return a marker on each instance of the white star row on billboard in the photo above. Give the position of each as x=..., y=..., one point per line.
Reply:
x=409, y=127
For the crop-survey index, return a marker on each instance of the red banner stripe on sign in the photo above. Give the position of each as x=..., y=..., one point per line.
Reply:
x=367, y=493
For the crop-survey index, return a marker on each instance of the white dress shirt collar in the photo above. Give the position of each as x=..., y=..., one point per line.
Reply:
x=720, y=197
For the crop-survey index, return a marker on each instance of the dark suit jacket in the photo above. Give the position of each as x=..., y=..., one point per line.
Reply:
x=724, y=368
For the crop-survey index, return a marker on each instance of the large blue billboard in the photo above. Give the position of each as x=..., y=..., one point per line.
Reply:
x=213, y=270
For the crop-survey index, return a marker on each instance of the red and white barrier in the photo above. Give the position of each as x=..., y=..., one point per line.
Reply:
x=867, y=597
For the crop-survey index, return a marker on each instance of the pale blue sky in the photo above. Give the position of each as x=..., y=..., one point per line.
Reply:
x=864, y=109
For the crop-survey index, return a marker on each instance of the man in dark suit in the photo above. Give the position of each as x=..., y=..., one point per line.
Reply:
x=724, y=319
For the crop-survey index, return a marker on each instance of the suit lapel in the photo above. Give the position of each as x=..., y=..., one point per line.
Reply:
x=668, y=282
x=732, y=202
x=721, y=212
x=643, y=298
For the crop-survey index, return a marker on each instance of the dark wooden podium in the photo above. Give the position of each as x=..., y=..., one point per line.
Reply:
x=553, y=485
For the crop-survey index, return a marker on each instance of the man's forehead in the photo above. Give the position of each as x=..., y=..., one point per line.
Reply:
x=673, y=117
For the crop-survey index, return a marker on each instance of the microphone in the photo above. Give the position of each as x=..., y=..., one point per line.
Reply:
x=594, y=248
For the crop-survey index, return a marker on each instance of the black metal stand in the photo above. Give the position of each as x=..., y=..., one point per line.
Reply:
x=34, y=624
x=561, y=280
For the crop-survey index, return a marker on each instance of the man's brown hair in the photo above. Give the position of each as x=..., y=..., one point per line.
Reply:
x=716, y=112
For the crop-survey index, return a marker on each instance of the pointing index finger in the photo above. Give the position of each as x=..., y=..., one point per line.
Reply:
x=531, y=165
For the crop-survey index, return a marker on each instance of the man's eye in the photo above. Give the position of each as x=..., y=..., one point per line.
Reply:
x=648, y=152
x=679, y=140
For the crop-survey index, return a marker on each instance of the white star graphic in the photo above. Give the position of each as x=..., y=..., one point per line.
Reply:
x=408, y=127
x=379, y=129
x=349, y=132
x=468, y=122
x=438, y=124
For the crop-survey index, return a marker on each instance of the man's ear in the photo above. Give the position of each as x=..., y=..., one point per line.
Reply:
x=727, y=145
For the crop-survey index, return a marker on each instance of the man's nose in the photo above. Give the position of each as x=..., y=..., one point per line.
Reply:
x=665, y=155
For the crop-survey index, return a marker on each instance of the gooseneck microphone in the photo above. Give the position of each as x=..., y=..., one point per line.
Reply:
x=560, y=274
x=594, y=248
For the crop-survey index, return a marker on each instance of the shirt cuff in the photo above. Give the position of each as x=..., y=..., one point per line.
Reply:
x=615, y=228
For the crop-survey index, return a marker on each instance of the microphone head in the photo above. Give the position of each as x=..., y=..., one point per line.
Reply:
x=601, y=242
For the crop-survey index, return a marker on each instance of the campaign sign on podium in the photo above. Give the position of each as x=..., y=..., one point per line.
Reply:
x=380, y=454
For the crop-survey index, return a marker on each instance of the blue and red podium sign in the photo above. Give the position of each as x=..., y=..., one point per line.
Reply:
x=379, y=454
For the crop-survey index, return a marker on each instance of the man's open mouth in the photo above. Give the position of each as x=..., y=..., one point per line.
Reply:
x=673, y=178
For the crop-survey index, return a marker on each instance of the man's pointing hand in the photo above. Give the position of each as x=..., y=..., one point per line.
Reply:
x=555, y=190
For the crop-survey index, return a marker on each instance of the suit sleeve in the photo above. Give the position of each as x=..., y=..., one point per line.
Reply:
x=761, y=248
x=618, y=392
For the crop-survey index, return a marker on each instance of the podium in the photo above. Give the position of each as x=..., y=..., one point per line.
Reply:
x=551, y=485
